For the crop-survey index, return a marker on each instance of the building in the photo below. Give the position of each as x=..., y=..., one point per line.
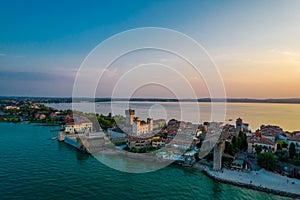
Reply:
x=40, y=116
x=296, y=140
x=129, y=117
x=138, y=143
x=270, y=132
x=73, y=127
x=158, y=143
x=11, y=107
x=266, y=144
x=138, y=126
x=79, y=124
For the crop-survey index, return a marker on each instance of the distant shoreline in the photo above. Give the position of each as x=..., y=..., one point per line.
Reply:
x=228, y=100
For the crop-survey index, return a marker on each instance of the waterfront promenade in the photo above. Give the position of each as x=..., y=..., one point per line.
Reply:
x=259, y=180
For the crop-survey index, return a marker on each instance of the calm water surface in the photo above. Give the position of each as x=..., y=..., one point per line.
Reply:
x=285, y=115
x=32, y=166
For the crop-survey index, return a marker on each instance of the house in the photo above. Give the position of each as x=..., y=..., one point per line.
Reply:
x=138, y=143
x=158, y=143
x=296, y=140
x=78, y=124
x=11, y=107
x=34, y=106
x=40, y=116
x=266, y=144
x=270, y=132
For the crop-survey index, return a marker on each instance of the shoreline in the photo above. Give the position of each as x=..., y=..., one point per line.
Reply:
x=256, y=180
x=261, y=180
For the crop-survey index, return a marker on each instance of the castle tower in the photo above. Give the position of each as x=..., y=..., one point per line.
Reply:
x=129, y=117
x=239, y=125
x=218, y=151
x=136, y=126
x=150, y=124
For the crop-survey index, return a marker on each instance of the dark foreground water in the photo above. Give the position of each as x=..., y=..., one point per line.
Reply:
x=32, y=166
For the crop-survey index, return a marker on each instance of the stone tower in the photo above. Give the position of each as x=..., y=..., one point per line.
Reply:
x=239, y=125
x=218, y=151
x=150, y=124
x=129, y=117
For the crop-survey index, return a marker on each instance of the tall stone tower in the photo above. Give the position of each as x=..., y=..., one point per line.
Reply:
x=150, y=124
x=218, y=151
x=239, y=125
x=129, y=117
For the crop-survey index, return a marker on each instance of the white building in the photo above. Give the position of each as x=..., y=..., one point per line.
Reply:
x=138, y=126
x=11, y=107
x=80, y=124
x=296, y=141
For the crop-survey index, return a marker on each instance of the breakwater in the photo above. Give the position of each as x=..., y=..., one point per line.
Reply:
x=250, y=185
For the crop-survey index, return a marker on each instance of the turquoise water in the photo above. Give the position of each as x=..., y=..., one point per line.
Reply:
x=32, y=166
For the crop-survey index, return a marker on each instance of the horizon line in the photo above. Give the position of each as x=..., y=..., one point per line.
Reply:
x=156, y=99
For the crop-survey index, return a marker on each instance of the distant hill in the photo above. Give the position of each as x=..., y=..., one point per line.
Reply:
x=4, y=99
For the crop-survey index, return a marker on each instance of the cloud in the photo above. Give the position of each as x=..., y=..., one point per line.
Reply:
x=3, y=54
x=285, y=52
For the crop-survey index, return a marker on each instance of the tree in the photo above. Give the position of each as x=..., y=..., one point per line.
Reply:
x=281, y=145
x=234, y=143
x=240, y=143
x=266, y=160
x=292, y=150
x=196, y=155
x=282, y=155
x=258, y=149
x=244, y=142
x=230, y=149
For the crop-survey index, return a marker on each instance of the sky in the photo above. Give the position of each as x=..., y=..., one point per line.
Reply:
x=254, y=44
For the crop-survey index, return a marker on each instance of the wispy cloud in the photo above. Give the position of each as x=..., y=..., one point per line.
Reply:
x=284, y=52
x=10, y=55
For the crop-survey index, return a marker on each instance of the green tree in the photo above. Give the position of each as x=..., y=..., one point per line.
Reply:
x=282, y=155
x=292, y=150
x=258, y=149
x=243, y=141
x=197, y=157
x=266, y=160
x=281, y=144
x=234, y=143
x=230, y=149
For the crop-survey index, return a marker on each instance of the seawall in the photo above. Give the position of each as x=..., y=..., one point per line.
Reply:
x=249, y=185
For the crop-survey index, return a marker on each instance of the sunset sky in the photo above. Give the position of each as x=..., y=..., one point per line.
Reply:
x=255, y=44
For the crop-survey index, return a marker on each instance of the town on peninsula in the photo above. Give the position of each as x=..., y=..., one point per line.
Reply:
x=227, y=152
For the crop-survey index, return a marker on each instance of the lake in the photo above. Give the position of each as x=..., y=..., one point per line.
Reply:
x=32, y=166
x=286, y=116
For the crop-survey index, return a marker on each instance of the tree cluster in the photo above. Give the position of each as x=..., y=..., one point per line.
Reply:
x=237, y=144
x=266, y=160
